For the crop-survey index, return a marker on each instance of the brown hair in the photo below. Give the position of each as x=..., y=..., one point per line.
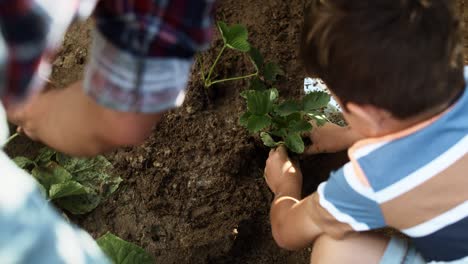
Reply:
x=404, y=56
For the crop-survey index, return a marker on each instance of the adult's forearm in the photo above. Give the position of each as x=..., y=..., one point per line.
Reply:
x=74, y=123
x=70, y=121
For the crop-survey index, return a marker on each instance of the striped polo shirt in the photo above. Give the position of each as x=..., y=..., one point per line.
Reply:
x=415, y=181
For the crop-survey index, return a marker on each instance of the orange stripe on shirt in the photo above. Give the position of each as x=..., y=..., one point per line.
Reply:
x=390, y=137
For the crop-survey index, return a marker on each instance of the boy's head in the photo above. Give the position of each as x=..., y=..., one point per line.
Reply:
x=385, y=59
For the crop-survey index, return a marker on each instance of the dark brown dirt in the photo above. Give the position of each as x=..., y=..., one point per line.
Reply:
x=194, y=191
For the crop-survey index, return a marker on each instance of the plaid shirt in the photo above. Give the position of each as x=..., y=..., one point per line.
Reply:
x=141, y=54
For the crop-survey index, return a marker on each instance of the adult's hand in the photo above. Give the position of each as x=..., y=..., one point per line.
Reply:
x=71, y=122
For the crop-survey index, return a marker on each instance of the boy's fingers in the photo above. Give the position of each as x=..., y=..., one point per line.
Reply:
x=311, y=150
x=282, y=150
x=313, y=123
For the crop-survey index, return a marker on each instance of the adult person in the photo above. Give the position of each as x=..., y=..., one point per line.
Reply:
x=139, y=66
x=140, y=61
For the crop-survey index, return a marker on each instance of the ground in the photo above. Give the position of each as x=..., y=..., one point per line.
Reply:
x=194, y=191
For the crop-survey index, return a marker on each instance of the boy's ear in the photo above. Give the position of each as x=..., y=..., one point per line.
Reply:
x=371, y=117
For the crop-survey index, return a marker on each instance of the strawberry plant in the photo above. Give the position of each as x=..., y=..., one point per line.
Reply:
x=77, y=185
x=268, y=72
x=282, y=122
x=235, y=37
x=122, y=252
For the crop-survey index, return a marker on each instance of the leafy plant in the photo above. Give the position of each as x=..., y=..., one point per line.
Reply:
x=235, y=37
x=123, y=252
x=282, y=122
x=268, y=72
x=78, y=185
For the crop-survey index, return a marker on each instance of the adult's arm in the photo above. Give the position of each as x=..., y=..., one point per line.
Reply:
x=70, y=121
x=139, y=68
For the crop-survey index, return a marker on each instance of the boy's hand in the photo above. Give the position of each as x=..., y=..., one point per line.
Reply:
x=282, y=175
x=331, y=138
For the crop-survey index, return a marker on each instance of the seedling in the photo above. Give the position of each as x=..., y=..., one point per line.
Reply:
x=78, y=185
x=268, y=72
x=235, y=37
x=122, y=252
x=282, y=123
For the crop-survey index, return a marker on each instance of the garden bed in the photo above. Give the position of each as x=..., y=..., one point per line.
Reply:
x=194, y=191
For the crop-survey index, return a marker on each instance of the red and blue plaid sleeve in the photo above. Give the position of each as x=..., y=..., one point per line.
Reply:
x=30, y=31
x=143, y=51
x=141, y=55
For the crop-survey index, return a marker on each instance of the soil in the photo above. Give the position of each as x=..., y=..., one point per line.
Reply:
x=194, y=191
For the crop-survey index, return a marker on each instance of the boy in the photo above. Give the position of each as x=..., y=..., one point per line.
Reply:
x=396, y=68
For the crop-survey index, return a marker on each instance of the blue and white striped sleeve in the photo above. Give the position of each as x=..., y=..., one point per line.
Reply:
x=349, y=202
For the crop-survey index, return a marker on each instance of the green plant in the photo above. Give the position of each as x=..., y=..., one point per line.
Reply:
x=282, y=122
x=123, y=252
x=268, y=72
x=77, y=185
x=235, y=37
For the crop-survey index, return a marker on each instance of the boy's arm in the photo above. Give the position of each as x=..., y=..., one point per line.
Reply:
x=291, y=223
x=331, y=138
x=340, y=206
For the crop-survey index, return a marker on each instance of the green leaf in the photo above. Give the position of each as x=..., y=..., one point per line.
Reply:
x=274, y=95
x=44, y=156
x=294, y=117
x=315, y=100
x=123, y=252
x=259, y=102
x=257, y=123
x=79, y=165
x=70, y=188
x=320, y=118
x=300, y=126
x=235, y=36
x=268, y=140
x=288, y=107
x=79, y=204
x=257, y=84
x=272, y=71
x=92, y=174
x=256, y=58
x=51, y=174
x=244, y=119
x=295, y=143
x=245, y=94
x=279, y=133
x=23, y=162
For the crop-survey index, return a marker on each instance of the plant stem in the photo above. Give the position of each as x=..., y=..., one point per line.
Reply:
x=11, y=138
x=208, y=78
x=200, y=61
x=234, y=78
